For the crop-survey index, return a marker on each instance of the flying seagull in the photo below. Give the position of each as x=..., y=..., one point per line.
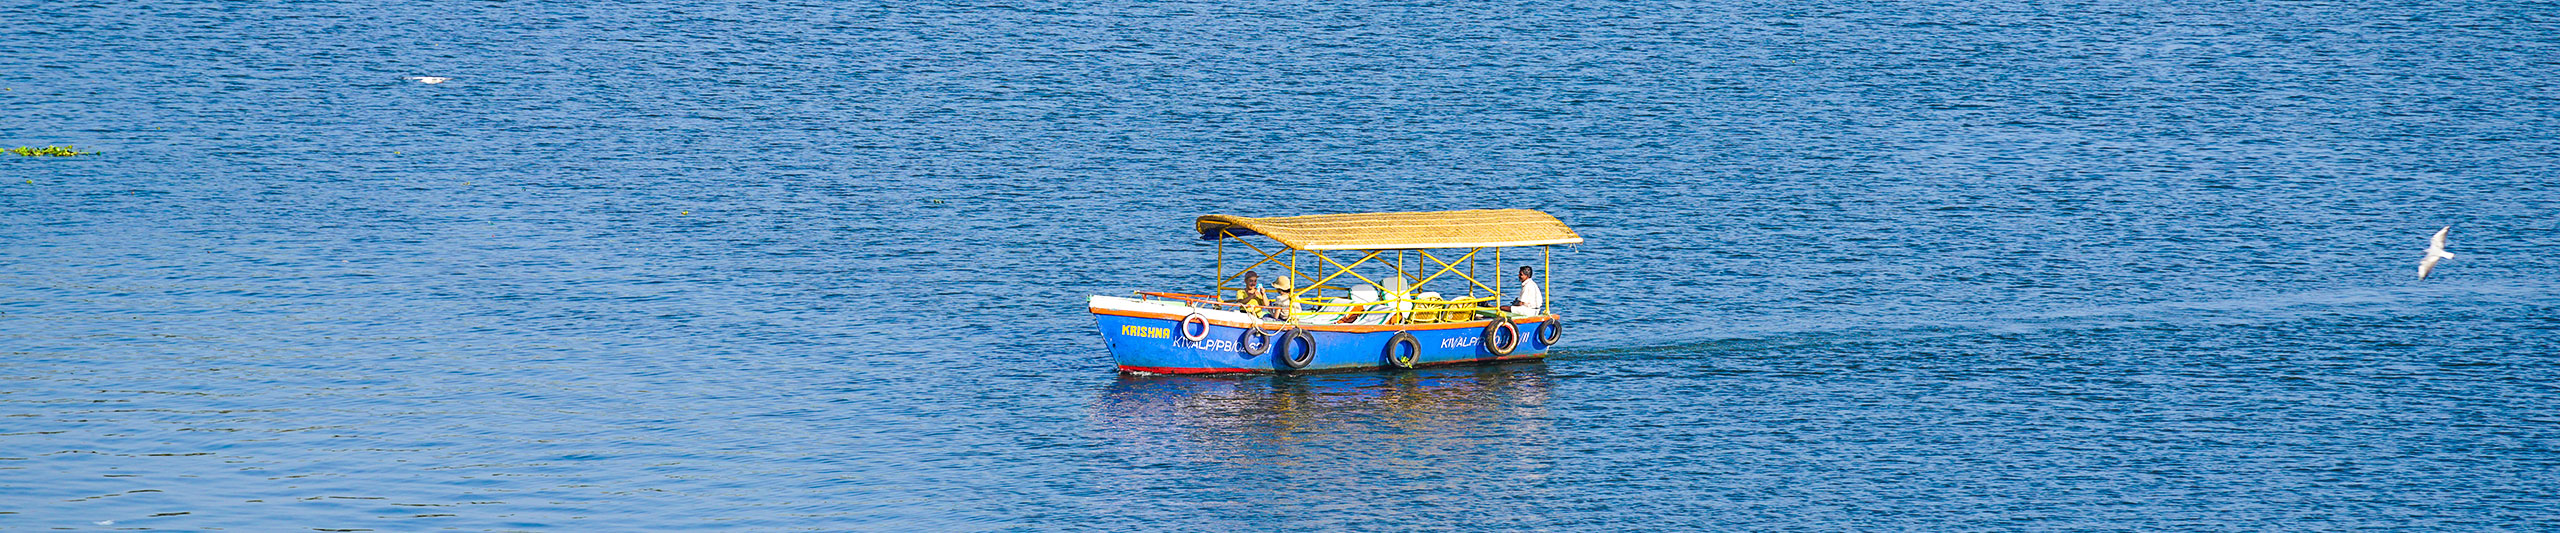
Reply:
x=426, y=79
x=2435, y=252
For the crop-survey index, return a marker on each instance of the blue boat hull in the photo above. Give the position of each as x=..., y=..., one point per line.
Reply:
x=1153, y=343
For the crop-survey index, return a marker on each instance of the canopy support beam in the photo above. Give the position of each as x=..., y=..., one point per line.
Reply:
x=1373, y=254
x=1447, y=267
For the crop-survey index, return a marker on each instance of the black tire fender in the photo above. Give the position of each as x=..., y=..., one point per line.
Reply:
x=1550, y=331
x=1291, y=352
x=1248, y=343
x=1493, y=334
x=1396, y=356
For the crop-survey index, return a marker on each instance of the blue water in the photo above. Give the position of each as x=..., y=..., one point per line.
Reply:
x=822, y=266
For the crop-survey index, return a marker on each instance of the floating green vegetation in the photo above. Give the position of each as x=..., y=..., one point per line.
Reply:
x=54, y=151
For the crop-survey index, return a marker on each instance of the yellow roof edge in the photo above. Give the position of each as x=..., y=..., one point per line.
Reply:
x=1475, y=228
x=1576, y=240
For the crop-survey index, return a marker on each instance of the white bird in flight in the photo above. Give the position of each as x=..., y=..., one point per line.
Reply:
x=2435, y=252
x=427, y=79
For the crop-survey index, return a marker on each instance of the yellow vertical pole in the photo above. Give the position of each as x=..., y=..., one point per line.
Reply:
x=1409, y=288
x=1497, y=277
x=1547, y=280
x=1471, y=271
x=1220, y=273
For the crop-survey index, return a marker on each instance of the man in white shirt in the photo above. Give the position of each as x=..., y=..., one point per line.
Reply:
x=1530, y=300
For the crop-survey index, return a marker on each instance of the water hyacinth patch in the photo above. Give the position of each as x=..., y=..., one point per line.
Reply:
x=53, y=151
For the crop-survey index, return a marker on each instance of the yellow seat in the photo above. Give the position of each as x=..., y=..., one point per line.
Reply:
x=1459, y=314
x=1425, y=312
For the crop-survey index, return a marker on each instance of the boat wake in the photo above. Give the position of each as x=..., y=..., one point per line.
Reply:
x=2357, y=304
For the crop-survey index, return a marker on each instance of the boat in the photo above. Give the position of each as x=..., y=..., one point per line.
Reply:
x=1367, y=301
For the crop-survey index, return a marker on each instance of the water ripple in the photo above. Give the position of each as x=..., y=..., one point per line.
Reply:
x=818, y=266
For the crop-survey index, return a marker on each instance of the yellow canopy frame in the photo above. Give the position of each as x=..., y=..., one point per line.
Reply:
x=1378, y=233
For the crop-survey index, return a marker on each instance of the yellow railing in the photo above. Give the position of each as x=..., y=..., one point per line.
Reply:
x=1422, y=310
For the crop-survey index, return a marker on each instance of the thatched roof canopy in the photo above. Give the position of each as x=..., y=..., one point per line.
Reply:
x=1397, y=231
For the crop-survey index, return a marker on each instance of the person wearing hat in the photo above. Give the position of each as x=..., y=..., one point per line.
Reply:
x=1286, y=302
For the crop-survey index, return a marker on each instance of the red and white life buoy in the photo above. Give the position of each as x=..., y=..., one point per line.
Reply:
x=1188, y=334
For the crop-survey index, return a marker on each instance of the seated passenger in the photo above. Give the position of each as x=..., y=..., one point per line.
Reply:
x=1530, y=300
x=1285, y=304
x=1251, y=299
